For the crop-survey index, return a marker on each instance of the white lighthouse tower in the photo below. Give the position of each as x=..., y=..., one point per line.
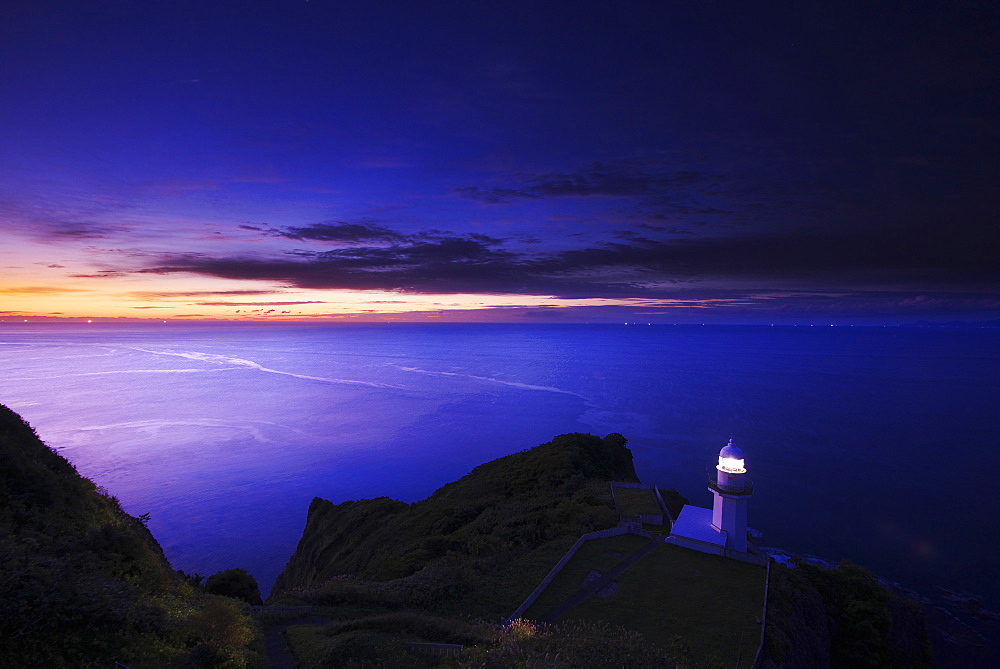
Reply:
x=731, y=490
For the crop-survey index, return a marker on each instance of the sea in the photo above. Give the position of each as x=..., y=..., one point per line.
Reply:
x=879, y=445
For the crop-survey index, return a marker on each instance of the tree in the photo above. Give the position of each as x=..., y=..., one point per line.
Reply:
x=235, y=583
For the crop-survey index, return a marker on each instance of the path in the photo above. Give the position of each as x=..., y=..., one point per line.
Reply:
x=278, y=655
x=596, y=585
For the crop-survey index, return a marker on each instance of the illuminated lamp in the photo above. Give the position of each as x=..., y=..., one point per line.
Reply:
x=731, y=460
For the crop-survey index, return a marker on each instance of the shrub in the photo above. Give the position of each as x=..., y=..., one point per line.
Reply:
x=235, y=583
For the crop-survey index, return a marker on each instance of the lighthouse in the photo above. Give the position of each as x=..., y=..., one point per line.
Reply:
x=731, y=490
x=721, y=530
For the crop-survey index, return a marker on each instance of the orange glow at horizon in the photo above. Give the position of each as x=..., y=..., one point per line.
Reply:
x=176, y=297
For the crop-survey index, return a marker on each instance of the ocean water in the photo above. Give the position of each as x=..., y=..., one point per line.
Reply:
x=874, y=444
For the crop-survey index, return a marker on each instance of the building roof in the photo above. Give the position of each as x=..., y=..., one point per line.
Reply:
x=696, y=523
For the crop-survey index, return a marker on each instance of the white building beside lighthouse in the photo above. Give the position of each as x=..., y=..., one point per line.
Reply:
x=723, y=528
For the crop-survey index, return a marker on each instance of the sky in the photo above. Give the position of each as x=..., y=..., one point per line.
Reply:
x=668, y=162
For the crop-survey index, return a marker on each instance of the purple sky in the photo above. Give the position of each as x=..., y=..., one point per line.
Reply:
x=649, y=161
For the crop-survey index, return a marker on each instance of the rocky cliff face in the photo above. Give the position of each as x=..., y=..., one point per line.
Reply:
x=509, y=505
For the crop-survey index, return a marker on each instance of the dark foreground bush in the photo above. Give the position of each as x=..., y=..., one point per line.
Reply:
x=235, y=583
x=84, y=584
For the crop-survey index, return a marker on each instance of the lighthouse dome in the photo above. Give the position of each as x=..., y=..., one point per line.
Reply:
x=731, y=451
x=731, y=459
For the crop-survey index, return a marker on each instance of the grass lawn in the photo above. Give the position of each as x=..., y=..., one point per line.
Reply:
x=307, y=643
x=712, y=602
x=596, y=554
x=633, y=502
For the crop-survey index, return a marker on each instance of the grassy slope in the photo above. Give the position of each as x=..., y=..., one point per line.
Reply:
x=595, y=555
x=714, y=604
x=494, y=518
x=82, y=583
x=636, y=502
x=504, y=525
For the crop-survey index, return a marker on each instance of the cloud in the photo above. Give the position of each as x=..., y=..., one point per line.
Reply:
x=82, y=230
x=102, y=274
x=625, y=265
x=368, y=236
x=442, y=266
x=162, y=295
x=349, y=233
x=255, y=304
x=679, y=192
x=40, y=290
x=611, y=179
x=422, y=250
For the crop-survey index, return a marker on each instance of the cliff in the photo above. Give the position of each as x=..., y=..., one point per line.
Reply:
x=83, y=584
x=842, y=617
x=491, y=519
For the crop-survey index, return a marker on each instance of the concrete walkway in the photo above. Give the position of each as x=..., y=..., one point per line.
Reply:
x=597, y=584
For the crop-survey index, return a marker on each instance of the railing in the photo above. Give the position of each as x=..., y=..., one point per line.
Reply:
x=714, y=484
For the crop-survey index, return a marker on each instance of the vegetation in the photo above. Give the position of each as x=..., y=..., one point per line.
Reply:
x=478, y=545
x=235, y=583
x=846, y=610
x=595, y=555
x=393, y=572
x=84, y=584
x=674, y=501
x=634, y=502
x=377, y=641
x=677, y=598
x=569, y=644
